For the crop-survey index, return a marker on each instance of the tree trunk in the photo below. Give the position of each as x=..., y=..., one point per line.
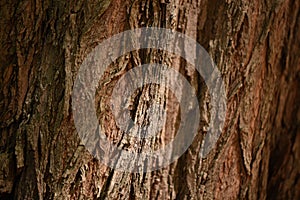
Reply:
x=256, y=47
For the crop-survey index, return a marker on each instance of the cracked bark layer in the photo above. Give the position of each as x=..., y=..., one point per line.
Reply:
x=255, y=46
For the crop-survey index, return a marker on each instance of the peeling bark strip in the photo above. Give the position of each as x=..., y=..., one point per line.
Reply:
x=255, y=46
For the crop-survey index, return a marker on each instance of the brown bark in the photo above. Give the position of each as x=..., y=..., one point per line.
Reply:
x=255, y=46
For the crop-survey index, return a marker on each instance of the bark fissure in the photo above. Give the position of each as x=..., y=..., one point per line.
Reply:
x=255, y=46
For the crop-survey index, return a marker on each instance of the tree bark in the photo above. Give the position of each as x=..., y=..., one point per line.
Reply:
x=255, y=45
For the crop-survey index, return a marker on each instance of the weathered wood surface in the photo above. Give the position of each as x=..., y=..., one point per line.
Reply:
x=256, y=46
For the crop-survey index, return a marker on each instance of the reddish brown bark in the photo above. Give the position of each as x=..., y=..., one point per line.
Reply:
x=255, y=45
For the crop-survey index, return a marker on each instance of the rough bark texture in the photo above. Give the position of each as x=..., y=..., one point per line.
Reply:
x=255, y=45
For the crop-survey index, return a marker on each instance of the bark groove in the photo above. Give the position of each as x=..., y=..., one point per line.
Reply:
x=256, y=47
